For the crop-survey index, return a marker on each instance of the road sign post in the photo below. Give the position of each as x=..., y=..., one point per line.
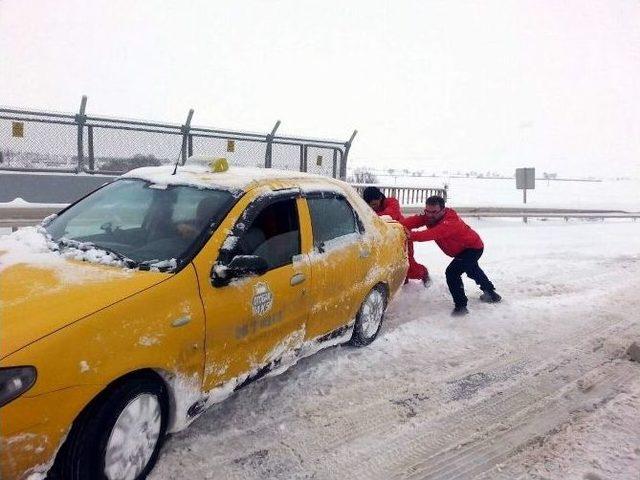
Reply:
x=525, y=180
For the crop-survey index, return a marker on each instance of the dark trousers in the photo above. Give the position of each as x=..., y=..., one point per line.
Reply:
x=466, y=262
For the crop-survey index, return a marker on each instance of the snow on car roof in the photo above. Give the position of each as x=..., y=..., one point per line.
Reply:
x=197, y=173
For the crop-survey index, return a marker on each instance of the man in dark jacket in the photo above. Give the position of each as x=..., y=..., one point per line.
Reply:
x=458, y=240
x=390, y=206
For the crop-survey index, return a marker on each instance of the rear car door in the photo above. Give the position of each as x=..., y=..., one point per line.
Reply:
x=340, y=262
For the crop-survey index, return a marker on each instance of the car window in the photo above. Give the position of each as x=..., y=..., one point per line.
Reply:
x=331, y=218
x=273, y=235
x=186, y=205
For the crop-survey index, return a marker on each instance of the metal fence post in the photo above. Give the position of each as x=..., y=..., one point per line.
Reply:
x=347, y=147
x=185, y=137
x=92, y=164
x=305, y=158
x=301, y=165
x=190, y=145
x=81, y=119
x=268, y=153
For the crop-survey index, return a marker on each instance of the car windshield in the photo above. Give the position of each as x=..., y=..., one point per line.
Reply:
x=142, y=223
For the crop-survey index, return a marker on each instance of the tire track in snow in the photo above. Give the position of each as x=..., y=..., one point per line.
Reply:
x=313, y=443
x=434, y=450
x=527, y=424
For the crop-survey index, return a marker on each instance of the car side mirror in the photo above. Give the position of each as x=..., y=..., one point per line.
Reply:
x=239, y=266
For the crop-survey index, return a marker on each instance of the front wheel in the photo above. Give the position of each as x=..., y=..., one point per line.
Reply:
x=369, y=317
x=119, y=437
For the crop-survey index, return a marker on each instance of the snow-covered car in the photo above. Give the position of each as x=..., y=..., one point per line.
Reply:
x=128, y=313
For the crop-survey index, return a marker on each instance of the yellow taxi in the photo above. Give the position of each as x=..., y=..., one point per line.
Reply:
x=128, y=313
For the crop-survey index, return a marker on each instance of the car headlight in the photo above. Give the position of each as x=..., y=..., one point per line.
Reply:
x=14, y=381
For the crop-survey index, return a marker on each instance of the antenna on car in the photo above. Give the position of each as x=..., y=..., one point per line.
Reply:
x=185, y=134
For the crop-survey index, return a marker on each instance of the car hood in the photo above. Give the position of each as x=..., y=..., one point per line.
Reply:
x=37, y=300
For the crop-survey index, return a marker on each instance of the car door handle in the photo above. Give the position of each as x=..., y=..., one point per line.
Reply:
x=179, y=322
x=297, y=279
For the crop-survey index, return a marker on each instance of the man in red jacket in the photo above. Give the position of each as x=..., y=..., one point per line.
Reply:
x=458, y=240
x=391, y=207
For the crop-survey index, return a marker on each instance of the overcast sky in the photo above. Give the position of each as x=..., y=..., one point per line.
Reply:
x=433, y=85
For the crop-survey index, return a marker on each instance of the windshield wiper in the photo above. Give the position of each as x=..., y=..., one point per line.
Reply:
x=159, y=265
x=85, y=246
x=127, y=261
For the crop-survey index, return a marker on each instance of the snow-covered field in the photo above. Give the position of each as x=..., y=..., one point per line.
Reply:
x=535, y=387
x=469, y=192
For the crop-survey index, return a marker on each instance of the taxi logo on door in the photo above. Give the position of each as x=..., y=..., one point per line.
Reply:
x=262, y=299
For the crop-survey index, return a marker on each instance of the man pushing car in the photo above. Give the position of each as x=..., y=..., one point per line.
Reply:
x=458, y=240
x=390, y=207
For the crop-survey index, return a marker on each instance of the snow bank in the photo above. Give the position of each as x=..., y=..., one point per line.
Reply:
x=20, y=203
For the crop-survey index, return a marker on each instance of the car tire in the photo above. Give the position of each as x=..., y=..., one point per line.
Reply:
x=369, y=318
x=133, y=413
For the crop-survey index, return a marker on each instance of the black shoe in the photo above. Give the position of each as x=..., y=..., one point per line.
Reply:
x=426, y=280
x=459, y=311
x=490, y=296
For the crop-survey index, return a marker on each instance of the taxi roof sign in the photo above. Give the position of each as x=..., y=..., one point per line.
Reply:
x=214, y=164
x=219, y=165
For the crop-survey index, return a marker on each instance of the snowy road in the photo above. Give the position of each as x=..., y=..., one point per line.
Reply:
x=535, y=387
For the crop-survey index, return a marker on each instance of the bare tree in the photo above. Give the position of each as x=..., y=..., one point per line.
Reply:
x=125, y=164
x=363, y=175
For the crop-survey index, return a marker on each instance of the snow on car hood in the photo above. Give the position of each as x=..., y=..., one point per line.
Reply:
x=42, y=291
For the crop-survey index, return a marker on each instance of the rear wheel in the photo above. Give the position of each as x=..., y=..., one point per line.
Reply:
x=119, y=437
x=369, y=317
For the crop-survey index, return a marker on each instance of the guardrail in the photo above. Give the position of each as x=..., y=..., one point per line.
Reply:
x=37, y=141
x=527, y=213
x=16, y=217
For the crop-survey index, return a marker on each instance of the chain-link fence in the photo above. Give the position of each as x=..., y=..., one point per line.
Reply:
x=58, y=142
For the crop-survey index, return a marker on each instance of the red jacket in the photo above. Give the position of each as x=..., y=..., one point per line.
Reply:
x=451, y=234
x=391, y=207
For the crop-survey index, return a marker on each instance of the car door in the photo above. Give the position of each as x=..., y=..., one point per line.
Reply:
x=256, y=321
x=341, y=260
